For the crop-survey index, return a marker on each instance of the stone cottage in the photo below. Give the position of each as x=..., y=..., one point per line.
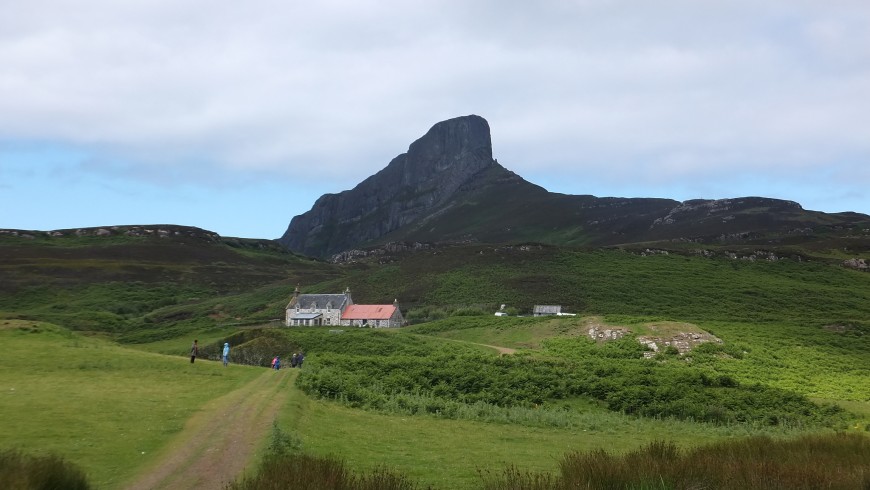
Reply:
x=316, y=309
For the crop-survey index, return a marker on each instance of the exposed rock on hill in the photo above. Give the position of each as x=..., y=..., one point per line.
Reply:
x=448, y=188
x=453, y=154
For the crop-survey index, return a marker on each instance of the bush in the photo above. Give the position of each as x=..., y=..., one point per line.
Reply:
x=834, y=461
x=21, y=471
x=281, y=443
x=280, y=472
x=254, y=347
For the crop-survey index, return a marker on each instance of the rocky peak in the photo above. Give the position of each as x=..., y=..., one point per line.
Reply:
x=410, y=187
x=462, y=145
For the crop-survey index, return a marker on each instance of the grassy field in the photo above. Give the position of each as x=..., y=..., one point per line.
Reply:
x=797, y=327
x=815, y=361
x=106, y=408
x=451, y=453
x=102, y=406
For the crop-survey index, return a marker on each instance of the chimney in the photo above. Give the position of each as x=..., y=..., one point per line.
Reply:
x=349, y=300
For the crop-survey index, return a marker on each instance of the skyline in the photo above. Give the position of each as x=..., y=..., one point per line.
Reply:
x=235, y=118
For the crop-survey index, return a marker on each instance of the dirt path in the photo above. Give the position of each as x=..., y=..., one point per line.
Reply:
x=219, y=442
x=501, y=350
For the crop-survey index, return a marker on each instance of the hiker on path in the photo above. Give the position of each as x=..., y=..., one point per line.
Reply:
x=293, y=361
x=299, y=359
x=276, y=363
x=226, y=354
x=194, y=350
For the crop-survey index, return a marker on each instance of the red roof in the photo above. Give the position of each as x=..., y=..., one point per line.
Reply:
x=368, y=312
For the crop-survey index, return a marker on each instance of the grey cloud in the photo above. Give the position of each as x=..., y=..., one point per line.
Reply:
x=669, y=91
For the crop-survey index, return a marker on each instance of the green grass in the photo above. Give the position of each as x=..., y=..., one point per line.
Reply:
x=181, y=346
x=101, y=406
x=835, y=461
x=450, y=453
x=797, y=326
x=105, y=408
x=813, y=361
x=681, y=288
x=512, y=332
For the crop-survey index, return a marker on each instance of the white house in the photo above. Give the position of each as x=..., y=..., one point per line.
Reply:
x=316, y=309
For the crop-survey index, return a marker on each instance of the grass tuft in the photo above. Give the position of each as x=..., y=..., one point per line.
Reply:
x=25, y=471
x=279, y=472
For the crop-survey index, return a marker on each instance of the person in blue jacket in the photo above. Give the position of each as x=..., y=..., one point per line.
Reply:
x=226, y=354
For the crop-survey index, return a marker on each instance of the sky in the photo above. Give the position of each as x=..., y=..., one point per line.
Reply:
x=236, y=116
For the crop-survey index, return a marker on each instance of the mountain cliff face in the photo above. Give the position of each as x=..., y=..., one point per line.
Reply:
x=416, y=184
x=448, y=188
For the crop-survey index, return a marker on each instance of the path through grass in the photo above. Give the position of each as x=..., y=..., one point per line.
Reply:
x=221, y=440
x=107, y=409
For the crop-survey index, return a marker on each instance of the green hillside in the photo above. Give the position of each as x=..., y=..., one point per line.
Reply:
x=145, y=287
x=791, y=329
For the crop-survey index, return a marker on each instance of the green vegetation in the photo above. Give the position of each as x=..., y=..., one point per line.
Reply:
x=303, y=471
x=461, y=454
x=117, y=383
x=106, y=409
x=143, y=289
x=672, y=287
x=430, y=400
x=838, y=461
x=26, y=471
x=453, y=384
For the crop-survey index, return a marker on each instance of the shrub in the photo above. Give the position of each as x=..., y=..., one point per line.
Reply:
x=282, y=443
x=279, y=472
x=835, y=461
x=22, y=471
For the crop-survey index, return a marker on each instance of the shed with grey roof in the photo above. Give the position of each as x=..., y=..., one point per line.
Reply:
x=544, y=310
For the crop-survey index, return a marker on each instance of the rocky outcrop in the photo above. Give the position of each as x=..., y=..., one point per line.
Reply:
x=859, y=264
x=159, y=231
x=356, y=255
x=414, y=185
x=682, y=341
x=600, y=333
x=448, y=189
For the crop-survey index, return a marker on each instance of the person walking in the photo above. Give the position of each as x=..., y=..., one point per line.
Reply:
x=277, y=363
x=194, y=350
x=293, y=360
x=299, y=359
x=226, y=354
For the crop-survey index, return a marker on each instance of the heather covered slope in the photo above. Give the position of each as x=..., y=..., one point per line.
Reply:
x=696, y=285
x=142, y=287
x=129, y=278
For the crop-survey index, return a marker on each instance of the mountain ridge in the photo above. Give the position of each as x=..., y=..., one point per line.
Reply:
x=448, y=188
